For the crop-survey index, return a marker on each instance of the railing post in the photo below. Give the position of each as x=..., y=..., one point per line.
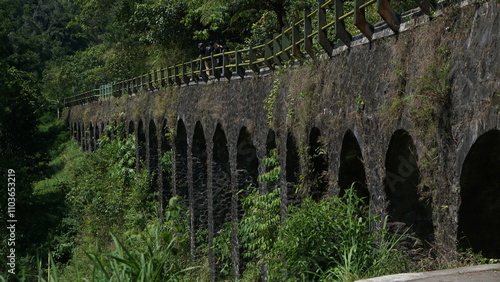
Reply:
x=137, y=84
x=203, y=71
x=427, y=6
x=360, y=20
x=156, y=79
x=268, y=54
x=276, y=49
x=170, y=75
x=340, y=30
x=295, y=45
x=253, y=58
x=176, y=75
x=145, y=82
x=162, y=77
x=185, y=76
x=130, y=87
x=308, y=44
x=151, y=81
x=238, y=60
x=194, y=76
x=215, y=70
x=322, y=33
x=285, y=43
x=387, y=13
x=225, y=70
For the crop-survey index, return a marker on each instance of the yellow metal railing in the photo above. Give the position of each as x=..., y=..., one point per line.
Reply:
x=294, y=42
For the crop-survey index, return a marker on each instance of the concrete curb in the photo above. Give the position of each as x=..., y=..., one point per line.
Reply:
x=486, y=272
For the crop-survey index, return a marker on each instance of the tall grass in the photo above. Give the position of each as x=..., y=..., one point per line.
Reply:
x=158, y=253
x=334, y=239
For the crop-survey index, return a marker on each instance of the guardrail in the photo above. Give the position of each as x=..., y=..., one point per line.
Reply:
x=293, y=42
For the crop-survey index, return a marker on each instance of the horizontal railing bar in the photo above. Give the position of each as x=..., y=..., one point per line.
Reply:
x=251, y=57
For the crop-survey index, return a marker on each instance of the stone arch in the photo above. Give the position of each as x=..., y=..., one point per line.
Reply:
x=479, y=213
x=110, y=132
x=270, y=145
x=292, y=169
x=141, y=144
x=247, y=171
x=98, y=132
x=401, y=187
x=75, y=131
x=199, y=167
x=130, y=127
x=246, y=160
x=153, y=158
x=88, y=137
x=165, y=174
x=81, y=135
x=319, y=165
x=92, y=140
x=221, y=179
x=351, y=169
x=180, y=163
x=220, y=213
x=270, y=141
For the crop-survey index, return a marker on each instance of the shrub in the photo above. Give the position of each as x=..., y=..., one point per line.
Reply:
x=333, y=240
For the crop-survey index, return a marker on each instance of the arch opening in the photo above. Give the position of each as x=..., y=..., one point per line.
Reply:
x=221, y=180
x=200, y=195
x=181, y=166
x=246, y=161
x=153, y=160
x=141, y=145
x=165, y=173
x=131, y=128
x=479, y=213
x=75, y=131
x=87, y=141
x=406, y=204
x=78, y=136
x=81, y=134
x=221, y=186
x=292, y=168
x=98, y=133
x=352, y=170
x=270, y=148
x=319, y=163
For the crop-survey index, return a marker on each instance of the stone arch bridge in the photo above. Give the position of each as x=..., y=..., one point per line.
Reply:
x=412, y=119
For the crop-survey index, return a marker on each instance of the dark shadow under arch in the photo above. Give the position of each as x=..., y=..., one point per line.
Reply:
x=153, y=160
x=221, y=179
x=141, y=145
x=292, y=169
x=406, y=205
x=270, y=141
x=270, y=146
x=166, y=166
x=181, y=167
x=75, y=131
x=153, y=157
x=131, y=128
x=319, y=163
x=352, y=169
x=246, y=164
x=200, y=195
x=221, y=190
x=479, y=213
